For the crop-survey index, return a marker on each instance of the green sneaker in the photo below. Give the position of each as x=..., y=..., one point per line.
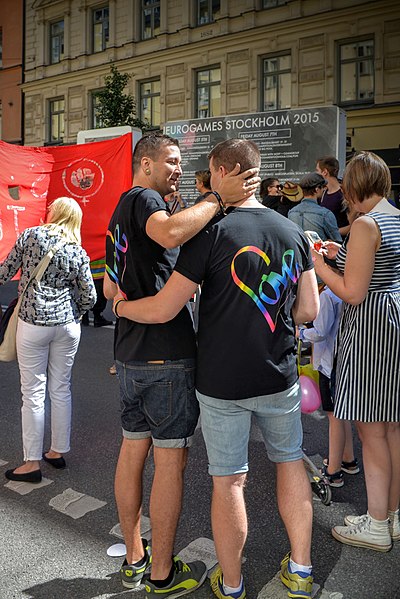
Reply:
x=187, y=578
x=131, y=575
x=218, y=589
x=298, y=583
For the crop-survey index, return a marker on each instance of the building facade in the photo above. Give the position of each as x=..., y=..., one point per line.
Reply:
x=11, y=50
x=201, y=58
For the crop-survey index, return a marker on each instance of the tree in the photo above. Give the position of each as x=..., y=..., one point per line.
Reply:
x=115, y=108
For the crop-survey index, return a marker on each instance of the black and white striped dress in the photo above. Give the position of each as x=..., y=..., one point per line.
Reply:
x=368, y=358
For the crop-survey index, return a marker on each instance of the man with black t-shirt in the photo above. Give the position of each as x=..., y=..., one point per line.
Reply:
x=155, y=364
x=258, y=283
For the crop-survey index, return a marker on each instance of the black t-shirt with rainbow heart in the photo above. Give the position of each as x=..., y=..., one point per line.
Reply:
x=250, y=261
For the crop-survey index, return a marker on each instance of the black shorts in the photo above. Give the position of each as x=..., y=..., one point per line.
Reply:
x=325, y=388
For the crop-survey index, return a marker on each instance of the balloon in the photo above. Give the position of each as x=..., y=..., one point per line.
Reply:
x=310, y=395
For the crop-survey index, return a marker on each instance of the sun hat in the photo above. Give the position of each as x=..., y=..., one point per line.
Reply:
x=292, y=192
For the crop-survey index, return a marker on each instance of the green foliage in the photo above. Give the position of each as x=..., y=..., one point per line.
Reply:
x=116, y=108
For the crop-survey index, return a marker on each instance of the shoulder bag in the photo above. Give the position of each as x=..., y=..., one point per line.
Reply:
x=9, y=320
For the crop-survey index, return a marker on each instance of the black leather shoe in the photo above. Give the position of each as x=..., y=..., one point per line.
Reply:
x=58, y=463
x=85, y=319
x=100, y=321
x=26, y=477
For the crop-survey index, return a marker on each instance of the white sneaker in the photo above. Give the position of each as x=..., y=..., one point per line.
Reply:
x=394, y=523
x=366, y=532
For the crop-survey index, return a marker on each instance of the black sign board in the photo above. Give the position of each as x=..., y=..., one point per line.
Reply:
x=290, y=141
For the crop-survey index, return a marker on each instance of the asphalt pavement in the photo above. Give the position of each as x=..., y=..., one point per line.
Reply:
x=46, y=553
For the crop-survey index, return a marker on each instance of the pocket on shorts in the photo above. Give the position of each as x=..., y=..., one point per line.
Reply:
x=156, y=400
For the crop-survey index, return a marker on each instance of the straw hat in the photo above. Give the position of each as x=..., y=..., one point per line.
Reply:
x=292, y=192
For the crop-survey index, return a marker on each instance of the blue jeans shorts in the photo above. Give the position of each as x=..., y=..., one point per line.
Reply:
x=226, y=428
x=158, y=401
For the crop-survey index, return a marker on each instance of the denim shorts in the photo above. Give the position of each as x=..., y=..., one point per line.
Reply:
x=226, y=428
x=158, y=401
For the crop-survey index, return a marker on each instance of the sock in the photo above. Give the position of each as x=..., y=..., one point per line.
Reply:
x=141, y=562
x=391, y=514
x=378, y=522
x=164, y=583
x=293, y=567
x=136, y=564
x=232, y=590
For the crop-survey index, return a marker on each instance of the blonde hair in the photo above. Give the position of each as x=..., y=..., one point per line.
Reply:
x=65, y=218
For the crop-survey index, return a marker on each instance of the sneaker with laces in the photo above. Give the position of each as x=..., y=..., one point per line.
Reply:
x=394, y=524
x=364, y=533
x=187, y=578
x=218, y=588
x=299, y=584
x=334, y=480
x=131, y=575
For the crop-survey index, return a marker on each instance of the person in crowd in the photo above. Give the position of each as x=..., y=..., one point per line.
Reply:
x=156, y=363
x=202, y=182
x=291, y=194
x=97, y=268
x=332, y=197
x=322, y=335
x=49, y=330
x=368, y=370
x=270, y=192
x=309, y=215
x=253, y=312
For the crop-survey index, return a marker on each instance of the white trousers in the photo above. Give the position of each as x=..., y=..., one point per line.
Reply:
x=45, y=357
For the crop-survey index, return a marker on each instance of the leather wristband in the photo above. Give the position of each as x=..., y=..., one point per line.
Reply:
x=115, y=307
x=220, y=202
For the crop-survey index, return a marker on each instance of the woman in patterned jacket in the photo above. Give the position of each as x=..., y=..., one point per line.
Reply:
x=49, y=330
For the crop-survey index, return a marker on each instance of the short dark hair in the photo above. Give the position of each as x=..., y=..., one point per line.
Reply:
x=366, y=174
x=330, y=163
x=204, y=177
x=232, y=151
x=311, y=182
x=149, y=145
x=265, y=183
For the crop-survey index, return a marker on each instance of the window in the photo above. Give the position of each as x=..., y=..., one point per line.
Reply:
x=100, y=28
x=95, y=120
x=273, y=3
x=208, y=92
x=56, y=42
x=207, y=11
x=150, y=18
x=56, y=120
x=356, y=76
x=150, y=102
x=276, y=82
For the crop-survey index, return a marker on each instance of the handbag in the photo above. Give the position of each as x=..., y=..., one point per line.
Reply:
x=9, y=320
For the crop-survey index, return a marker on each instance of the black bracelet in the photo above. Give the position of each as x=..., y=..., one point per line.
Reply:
x=220, y=202
x=115, y=307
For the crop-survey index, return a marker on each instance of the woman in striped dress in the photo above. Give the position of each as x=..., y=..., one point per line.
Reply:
x=368, y=360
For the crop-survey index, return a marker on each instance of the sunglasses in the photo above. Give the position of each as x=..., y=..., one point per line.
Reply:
x=277, y=186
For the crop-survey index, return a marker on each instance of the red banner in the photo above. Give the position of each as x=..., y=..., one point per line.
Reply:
x=94, y=174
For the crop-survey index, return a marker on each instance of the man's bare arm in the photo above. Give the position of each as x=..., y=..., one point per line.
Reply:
x=306, y=306
x=171, y=231
x=110, y=289
x=158, y=308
